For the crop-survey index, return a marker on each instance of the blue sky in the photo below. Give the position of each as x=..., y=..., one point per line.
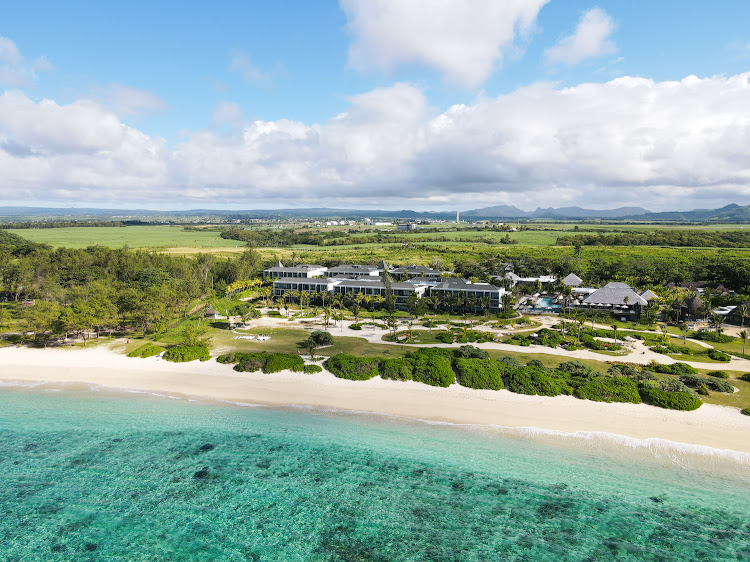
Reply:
x=375, y=104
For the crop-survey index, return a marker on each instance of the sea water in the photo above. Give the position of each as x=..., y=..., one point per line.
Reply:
x=94, y=475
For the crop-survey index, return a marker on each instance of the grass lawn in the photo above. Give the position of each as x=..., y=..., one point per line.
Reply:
x=739, y=399
x=154, y=237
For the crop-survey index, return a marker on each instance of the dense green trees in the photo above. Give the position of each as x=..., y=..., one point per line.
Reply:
x=99, y=289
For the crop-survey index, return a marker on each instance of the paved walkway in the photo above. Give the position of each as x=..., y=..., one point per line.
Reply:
x=638, y=352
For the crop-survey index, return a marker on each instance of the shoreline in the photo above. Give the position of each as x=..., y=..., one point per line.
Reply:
x=717, y=427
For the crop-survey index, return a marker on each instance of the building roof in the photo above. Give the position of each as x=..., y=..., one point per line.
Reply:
x=353, y=268
x=572, y=280
x=301, y=268
x=648, y=294
x=457, y=284
x=308, y=280
x=416, y=269
x=614, y=294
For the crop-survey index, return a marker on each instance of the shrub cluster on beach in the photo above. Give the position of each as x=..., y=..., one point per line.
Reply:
x=473, y=368
x=185, y=353
x=265, y=362
x=147, y=350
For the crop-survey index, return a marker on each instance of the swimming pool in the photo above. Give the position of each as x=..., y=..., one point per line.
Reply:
x=546, y=303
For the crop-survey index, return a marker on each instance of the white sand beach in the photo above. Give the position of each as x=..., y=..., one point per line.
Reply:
x=713, y=426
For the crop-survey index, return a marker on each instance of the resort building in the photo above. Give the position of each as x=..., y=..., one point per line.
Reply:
x=306, y=271
x=514, y=279
x=464, y=296
x=376, y=287
x=572, y=280
x=355, y=270
x=411, y=271
x=617, y=298
x=308, y=285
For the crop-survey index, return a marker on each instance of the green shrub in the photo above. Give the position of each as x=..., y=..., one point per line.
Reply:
x=185, y=353
x=471, y=352
x=589, y=342
x=251, y=362
x=670, y=400
x=717, y=355
x=745, y=411
x=712, y=337
x=718, y=374
x=274, y=313
x=575, y=368
x=148, y=350
x=282, y=361
x=745, y=377
x=534, y=380
x=674, y=369
x=711, y=383
x=396, y=369
x=669, y=348
x=510, y=361
x=355, y=326
x=480, y=373
x=309, y=369
x=608, y=389
x=444, y=336
x=353, y=368
x=433, y=367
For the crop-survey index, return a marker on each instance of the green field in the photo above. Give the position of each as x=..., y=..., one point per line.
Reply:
x=154, y=237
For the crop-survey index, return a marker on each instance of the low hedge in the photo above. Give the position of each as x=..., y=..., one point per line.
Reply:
x=711, y=383
x=674, y=349
x=671, y=400
x=608, y=389
x=534, y=380
x=712, y=337
x=282, y=361
x=397, y=369
x=745, y=377
x=717, y=355
x=444, y=336
x=745, y=411
x=355, y=326
x=309, y=369
x=353, y=368
x=185, y=353
x=433, y=366
x=480, y=373
x=718, y=374
x=148, y=350
x=262, y=361
x=674, y=369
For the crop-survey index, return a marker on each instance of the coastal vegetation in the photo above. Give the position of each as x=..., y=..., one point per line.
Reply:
x=158, y=298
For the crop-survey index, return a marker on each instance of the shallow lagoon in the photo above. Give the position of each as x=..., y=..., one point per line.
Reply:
x=94, y=475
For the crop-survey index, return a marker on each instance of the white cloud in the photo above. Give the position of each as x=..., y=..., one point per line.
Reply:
x=591, y=39
x=464, y=40
x=15, y=72
x=628, y=141
x=9, y=53
x=227, y=113
x=243, y=65
x=126, y=100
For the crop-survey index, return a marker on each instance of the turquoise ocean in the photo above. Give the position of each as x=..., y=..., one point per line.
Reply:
x=97, y=475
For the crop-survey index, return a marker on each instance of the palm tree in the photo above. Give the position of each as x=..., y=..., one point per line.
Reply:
x=614, y=329
x=743, y=337
x=742, y=311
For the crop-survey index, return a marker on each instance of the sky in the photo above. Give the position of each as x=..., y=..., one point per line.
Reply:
x=375, y=104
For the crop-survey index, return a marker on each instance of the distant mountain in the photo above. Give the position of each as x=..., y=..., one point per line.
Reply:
x=580, y=213
x=730, y=213
x=502, y=211
x=508, y=211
